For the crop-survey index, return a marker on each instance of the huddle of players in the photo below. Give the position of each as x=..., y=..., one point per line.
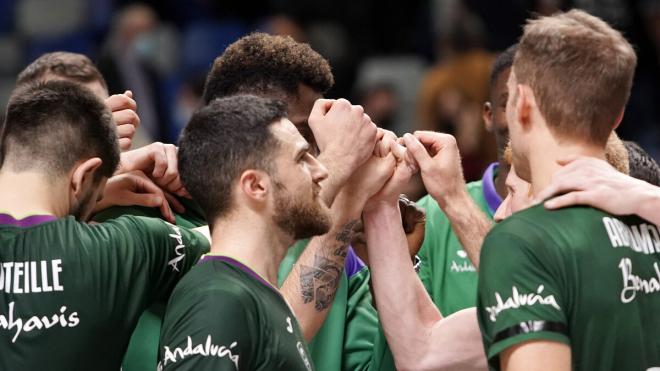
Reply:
x=556, y=290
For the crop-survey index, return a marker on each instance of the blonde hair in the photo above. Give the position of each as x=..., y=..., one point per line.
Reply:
x=580, y=70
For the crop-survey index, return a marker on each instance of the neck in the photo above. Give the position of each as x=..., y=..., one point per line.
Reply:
x=543, y=162
x=500, y=178
x=30, y=193
x=252, y=239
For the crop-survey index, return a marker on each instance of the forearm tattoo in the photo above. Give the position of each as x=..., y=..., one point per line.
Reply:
x=319, y=282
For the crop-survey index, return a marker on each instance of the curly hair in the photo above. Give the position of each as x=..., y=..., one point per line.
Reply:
x=263, y=64
x=68, y=66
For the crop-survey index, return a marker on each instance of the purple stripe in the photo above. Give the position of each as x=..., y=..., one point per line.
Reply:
x=32, y=220
x=240, y=266
x=353, y=263
x=493, y=200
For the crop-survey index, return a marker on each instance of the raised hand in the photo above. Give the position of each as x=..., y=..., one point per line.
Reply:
x=136, y=189
x=346, y=138
x=124, y=114
x=159, y=162
x=439, y=162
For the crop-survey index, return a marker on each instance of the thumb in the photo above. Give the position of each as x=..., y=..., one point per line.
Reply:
x=128, y=93
x=565, y=160
x=320, y=109
x=418, y=151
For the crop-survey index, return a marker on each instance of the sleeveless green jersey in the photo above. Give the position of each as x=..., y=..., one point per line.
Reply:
x=446, y=272
x=73, y=292
x=577, y=276
x=224, y=316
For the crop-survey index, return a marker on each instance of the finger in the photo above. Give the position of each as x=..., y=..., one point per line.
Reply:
x=174, y=203
x=561, y=185
x=171, y=172
x=398, y=151
x=565, y=160
x=118, y=102
x=128, y=93
x=568, y=199
x=125, y=131
x=418, y=151
x=159, y=156
x=126, y=117
x=435, y=141
x=145, y=185
x=320, y=108
x=125, y=144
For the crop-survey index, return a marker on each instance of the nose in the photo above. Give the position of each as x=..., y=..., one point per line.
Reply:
x=318, y=170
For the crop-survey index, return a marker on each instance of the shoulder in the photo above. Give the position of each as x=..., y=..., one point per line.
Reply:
x=475, y=190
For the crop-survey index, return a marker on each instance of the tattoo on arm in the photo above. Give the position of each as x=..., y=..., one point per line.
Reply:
x=319, y=282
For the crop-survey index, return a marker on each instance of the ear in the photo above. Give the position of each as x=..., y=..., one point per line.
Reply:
x=83, y=173
x=524, y=104
x=255, y=185
x=487, y=115
x=619, y=119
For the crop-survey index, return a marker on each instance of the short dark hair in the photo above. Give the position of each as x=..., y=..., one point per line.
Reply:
x=223, y=139
x=267, y=65
x=68, y=66
x=503, y=61
x=641, y=164
x=51, y=125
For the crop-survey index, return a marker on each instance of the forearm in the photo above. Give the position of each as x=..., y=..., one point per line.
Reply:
x=338, y=175
x=406, y=312
x=468, y=222
x=458, y=344
x=649, y=204
x=311, y=285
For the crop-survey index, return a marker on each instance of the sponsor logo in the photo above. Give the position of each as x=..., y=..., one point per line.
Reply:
x=632, y=284
x=208, y=349
x=20, y=325
x=517, y=300
x=31, y=276
x=179, y=249
x=463, y=266
x=303, y=355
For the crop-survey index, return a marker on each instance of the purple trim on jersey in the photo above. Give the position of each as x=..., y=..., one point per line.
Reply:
x=240, y=266
x=29, y=221
x=493, y=200
x=353, y=263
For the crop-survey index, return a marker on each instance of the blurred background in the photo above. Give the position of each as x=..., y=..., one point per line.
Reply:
x=414, y=64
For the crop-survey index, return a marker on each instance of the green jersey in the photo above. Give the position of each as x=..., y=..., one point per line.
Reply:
x=445, y=270
x=578, y=276
x=142, y=352
x=72, y=292
x=224, y=316
x=348, y=336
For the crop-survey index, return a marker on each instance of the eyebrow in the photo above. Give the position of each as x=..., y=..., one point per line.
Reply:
x=303, y=148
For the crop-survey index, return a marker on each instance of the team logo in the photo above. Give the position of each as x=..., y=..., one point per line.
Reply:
x=289, y=326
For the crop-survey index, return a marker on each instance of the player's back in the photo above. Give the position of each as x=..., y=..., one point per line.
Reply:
x=72, y=292
x=224, y=316
x=576, y=275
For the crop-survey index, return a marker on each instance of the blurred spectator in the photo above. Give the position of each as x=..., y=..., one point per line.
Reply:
x=123, y=62
x=453, y=91
x=381, y=103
